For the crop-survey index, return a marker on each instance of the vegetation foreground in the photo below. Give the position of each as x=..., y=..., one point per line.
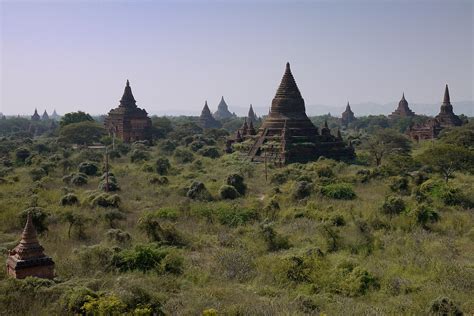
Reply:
x=187, y=230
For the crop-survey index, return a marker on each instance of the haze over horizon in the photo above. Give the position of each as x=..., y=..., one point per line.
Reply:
x=77, y=55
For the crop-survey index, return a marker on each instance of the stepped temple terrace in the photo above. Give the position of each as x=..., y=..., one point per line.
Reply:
x=206, y=120
x=402, y=110
x=28, y=258
x=287, y=135
x=128, y=122
x=347, y=116
x=223, y=112
x=431, y=128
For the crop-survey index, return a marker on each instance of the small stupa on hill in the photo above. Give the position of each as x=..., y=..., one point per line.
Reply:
x=206, y=120
x=347, y=116
x=222, y=112
x=403, y=110
x=287, y=135
x=28, y=258
x=128, y=122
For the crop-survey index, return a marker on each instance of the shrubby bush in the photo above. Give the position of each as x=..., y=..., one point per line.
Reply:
x=234, y=215
x=37, y=174
x=339, y=191
x=104, y=200
x=301, y=190
x=111, y=217
x=183, y=155
x=210, y=151
x=237, y=181
x=73, y=299
x=235, y=264
x=158, y=230
x=162, y=165
x=273, y=240
x=88, y=168
x=139, y=155
x=444, y=306
x=228, y=192
x=399, y=184
x=198, y=191
x=77, y=179
x=425, y=215
x=119, y=236
x=69, y=199
x=158, y=180
x=393, y=205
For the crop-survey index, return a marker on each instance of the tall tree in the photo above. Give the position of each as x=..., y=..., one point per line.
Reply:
x=75, y=117
x=84, y=133
x=447, y=159
x=385, y=142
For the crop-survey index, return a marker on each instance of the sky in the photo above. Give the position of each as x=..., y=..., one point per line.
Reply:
x=77, y=55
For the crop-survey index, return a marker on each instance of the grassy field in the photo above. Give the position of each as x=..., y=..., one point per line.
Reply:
x=284, y=248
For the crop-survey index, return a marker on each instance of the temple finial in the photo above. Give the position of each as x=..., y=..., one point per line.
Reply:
x=128, y=83
x=446, y=99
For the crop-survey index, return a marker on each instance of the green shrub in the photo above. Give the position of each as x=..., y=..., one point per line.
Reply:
x=104, y=305
x=74, y=299
x=158, y=180
x=425, y=215
x=88, y=168
x=144, y=258
x=298, y=270
x=21, y=154
x=139, y=155
x=162, y=165
x=237, y=181
x=359, y=282
x=444, y=306
x=273, y=240
x=119, y=236
x=112, y=216
x=69, y=199
x=183, y=155
x=78, y=179
x=399, y=184
x=339, y=191
x=234, y=216
x=160, y=231
x=393, y=205
x=37, y=174
x=235, y=264
x=301, y=190
x=198, y=191
x=104, y=200
x=210, y=151
x=228, y=192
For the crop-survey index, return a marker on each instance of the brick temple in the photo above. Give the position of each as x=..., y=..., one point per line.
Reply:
x=28, y=258
x=403, y=110
x=223, y=112
x=287, y=135
x=251, y=116
x=431, y=128
x=206, y=120
x=128, y=122
x=347, y=116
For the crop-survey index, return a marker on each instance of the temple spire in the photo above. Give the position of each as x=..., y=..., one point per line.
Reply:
x=29, y=234
x=127, y=99
x=288, y=87
x=446, y=99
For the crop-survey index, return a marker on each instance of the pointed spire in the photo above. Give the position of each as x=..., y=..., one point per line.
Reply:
x=326, y=124
x=348, y=107
x=127, y=99
x=446, y=99
x=29, y=234
x=403, y=96
x=288, y=87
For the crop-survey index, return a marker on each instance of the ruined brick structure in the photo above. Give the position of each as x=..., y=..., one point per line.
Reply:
x=347, y=116
x=206, y=120
x=287, y=135
x=402, y=110
x=432, y=128
x=28, y=258
x=128, y=122
x=222, y=112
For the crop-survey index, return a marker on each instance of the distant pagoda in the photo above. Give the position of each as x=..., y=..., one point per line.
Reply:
x=287, y=135
x=28, y=258
x=347, y=116
x=128, y=122
x=222, y=112
x=45, y=116
x=206, y=120
x=446, y=116
x=252, y=117
x=55, y=115
x=402, y=110
x=433, y=127
x=36, y=116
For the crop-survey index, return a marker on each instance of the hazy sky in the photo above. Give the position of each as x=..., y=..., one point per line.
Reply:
x=76, y=55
